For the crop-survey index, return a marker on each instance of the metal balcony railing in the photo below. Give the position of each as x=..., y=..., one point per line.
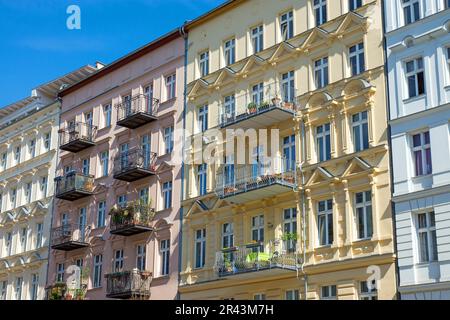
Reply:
x=137, y=111
x=77, y=136
x=73, y=186
x=70, y=237
x=274, y=96
x=135, y=159
x=236, y=179
x=133, y=218
x=127, y=284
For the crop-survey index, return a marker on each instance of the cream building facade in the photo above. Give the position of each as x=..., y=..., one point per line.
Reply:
x=311, y=219
x=28, y=149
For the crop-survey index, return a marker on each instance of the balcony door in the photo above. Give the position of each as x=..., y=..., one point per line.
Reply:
x=127, y=105
x=124, y=156
x=82, y=222
x=145, y=146
x=88, y=119
x=258, y=162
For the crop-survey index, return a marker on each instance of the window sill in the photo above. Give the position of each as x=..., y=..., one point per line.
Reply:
x=168, y=101
x=424, y=177
x=413, y=99
x=425, y=264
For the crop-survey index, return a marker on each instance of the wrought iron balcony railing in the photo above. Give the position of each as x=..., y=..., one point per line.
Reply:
x=134, y=218
x=134, y=165
x=74, y=186
x=128, y=284
x=76, y=137
x=136, y=112
x=236, y=180
x=70, y=237
x=262, y=107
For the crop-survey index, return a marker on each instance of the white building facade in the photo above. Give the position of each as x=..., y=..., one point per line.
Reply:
x=418, y=51
x=28, y=154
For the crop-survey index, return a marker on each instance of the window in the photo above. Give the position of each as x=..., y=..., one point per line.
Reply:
x=167, y=194
x=170, y=86
x=79, y=263
x=107, y=113
x=427, y=241
x=288, y=87
x=17, y=155
x=321, y=72
x=356, y=57
x=85, y=167
x=13, y=198
x=354, y=4
x=258, y=228
x=101, y=214
x=422, y=154
x=4, y=158
x=141, y=256
x=200, y=248
x=8, y=244
x=325, y=222
x=47, y=141
x=148, y=93
x=257, y=36
x=287, y=25
x=230, y=51
x=229, y=170
x=415, y=77
x=104, y=163
x=34, y=286
x=97, y=278
x=230, y=108
x=32, y=148
x=39, y=234
x=227, y=235
x=88, y=118
x=168, y=139
x=23, y=239
x=43, y=187
x=364, y=214
x=202, y=179
x=290, y=227
x=118, y=261
x=259, y=296
x=323, y=142
x=143, y=196
x=447, y=4
x=366, y=293
x=328, y=293
x=204, y=63
x=289, y=152
x=28, y=193
x=258, y=94
x=360, y=131
x=3, y=290
x=320, y=11
x=164, y=252
x=411, y=11
x=292, y=295
x=60, y=272
x=448, y=59
x=1, y=202
x=203, y=118
x=122, y=200
x=18, y=288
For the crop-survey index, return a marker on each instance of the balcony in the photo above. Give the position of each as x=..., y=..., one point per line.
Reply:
x=134, y=218
x=137, y=112
x=254, y=257
x=263, y=179
x=128, y=285
x=134, y=165
x=262, y=108
x=77, y=137
x=74, y=186
x=70, y=237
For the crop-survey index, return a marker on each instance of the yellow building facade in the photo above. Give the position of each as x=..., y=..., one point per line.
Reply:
x=308, y=215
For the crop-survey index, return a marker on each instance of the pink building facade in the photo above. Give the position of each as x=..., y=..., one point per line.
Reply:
x=118, y=187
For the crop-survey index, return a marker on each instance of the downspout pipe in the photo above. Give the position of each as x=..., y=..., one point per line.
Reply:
x=184, y=35
x=389, y=138
x=303, y=148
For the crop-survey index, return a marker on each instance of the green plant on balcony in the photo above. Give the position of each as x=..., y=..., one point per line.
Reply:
x=134, y=211
x=289, y=236
x=251, y=107
x=264, y=105
x=57, y=291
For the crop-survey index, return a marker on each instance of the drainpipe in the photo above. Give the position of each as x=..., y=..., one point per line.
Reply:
x=303, y=148
x=389, y=129
x=184, y=34
x=52, y=215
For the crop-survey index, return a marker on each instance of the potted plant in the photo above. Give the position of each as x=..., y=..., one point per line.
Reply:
x=251, y=107
x=276, y=100
x=264, y=105
x=289, y=236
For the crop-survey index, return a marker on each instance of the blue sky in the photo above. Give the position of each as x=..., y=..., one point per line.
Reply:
x=37, y=47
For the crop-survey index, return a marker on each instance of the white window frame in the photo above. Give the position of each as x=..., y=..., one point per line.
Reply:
x=13, y=198
x=167, y=194
x=328, y=292
x=9, y=243
x=101, y=214
x=429, y=230
x=141, y=257
x=60, y=270
x=17, y=154
x=3, y=290
x=47, y=141
x=202, y=179
x=164, y=254
x=409, y=5
x=365, y=293
x=104, y=163
x=107, y=115
x=257, y=228
x=43, y=186
x=418, y=67
x=321, y=72
x=288, y=86
x=356, y=58
x=229, y=51
x=97, y=272
x=32, y=148
x=168, y=139
x=118, y=262
x=34, y=288
x=200, y=247
x=287, y=25
x=28, y=192
x=39, y=234
x=323, y=132
x=318, y=6
x=289, y=226
x=203, y=118
x=292, y=295
x=227, y=235
x=257, y=38
x=170, y=86
x=359, y=125
x=364, y=205
x=18, y=288
x=259, y=296
x=203, y=63
x=23, y=239
x=427, y=168
x=326, y=214
x=4, y=160
x=258, y=93
x=354, y=4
